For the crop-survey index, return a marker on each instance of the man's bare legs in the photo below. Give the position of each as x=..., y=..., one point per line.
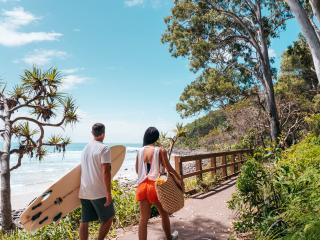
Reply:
x=83, y=231
x=104, y=229
x=145, y=211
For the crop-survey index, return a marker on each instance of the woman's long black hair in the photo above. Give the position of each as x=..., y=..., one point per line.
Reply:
x=151, y=136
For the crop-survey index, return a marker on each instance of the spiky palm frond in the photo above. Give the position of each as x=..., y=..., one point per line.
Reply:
x=53, y=77
x=55, y=140
x=164, y=141
x=3, y=86
x=66, y=140
x=45, y=111
x=36, y=81
x=32, y=79
x=68, y=103
x=180, y=130
x=71, y=117
x=17, y=93
x=41, y=153
x=24, y=130
x=70, y=110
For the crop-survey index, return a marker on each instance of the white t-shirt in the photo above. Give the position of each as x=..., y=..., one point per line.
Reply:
x=92, y=185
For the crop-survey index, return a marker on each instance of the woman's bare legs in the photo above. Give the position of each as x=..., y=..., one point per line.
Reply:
x=145, y=211
x=165, y=220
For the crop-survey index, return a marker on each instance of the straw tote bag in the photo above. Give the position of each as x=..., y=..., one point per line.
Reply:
x=170, y=194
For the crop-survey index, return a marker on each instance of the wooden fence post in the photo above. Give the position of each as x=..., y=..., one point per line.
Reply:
x=213, y=165
x=178, y=165
x=233, y=166
x=178, y=168
x=199, y=168
x=224, y=168
x=240, y=161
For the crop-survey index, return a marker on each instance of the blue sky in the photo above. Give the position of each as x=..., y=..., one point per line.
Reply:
x=111, y=55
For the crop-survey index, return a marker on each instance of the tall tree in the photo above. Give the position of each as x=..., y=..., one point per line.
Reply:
x=296, y=62
x=309, y=30
x=26, y=112
x=212, y=89
x=230, y=34
x=296, y=89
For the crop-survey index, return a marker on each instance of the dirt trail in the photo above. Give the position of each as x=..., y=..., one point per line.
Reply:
x=203, y=217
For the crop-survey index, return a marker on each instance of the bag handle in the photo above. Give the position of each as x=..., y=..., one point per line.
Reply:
x=177, y=181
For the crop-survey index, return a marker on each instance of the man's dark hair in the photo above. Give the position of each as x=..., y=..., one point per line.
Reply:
x=150, y=136
x=98, y=129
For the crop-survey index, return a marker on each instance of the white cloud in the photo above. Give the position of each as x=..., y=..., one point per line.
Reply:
x=72, y=70
x=132, y=3
x=272, y=53
x=5, y=1
x=13, y=20
x=152, y=3
x=72, y=78
x=71, y=81
x=41, y=57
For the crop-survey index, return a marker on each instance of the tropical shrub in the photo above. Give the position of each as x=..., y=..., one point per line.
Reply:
x=280, y=199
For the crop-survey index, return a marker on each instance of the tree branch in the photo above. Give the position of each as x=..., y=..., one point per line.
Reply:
x=282, y=22
x=40, y=125
x=253, y=41
x=17, y=151
x=38, y=122
x=18, y=163
x=251, y=5
x=26, y=104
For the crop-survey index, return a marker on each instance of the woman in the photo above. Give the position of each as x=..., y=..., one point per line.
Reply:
x=149, y=164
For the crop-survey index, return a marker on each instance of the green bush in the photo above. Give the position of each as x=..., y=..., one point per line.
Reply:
x=314, y=124
x=281, y=199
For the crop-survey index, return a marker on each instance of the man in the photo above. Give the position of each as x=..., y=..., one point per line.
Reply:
x=95, y=186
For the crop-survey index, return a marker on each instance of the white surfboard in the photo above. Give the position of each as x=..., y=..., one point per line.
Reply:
x=62, y=197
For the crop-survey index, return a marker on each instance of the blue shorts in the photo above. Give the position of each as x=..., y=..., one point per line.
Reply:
x=93, y=210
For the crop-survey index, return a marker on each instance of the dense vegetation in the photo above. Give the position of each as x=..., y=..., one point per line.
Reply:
x=278, y=193
x=244, y=123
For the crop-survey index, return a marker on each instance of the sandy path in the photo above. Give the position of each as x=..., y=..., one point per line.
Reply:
x=203, y=217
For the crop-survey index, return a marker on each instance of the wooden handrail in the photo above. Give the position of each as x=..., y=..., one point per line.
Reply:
x=189, y=158
x=235, y=157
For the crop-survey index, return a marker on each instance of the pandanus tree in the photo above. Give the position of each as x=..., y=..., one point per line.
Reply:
x=169, y=142
x=229, y=35
x=27, y=111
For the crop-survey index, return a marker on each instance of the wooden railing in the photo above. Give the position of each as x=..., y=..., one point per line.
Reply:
x=221, y=165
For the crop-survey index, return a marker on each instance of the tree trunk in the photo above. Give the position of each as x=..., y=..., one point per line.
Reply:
x=315, y=4
x=272, y=112
x=7, y=223
x=271, y=105
x=308, y=31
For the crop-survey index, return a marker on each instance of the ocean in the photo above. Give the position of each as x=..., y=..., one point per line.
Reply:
x=35, y=176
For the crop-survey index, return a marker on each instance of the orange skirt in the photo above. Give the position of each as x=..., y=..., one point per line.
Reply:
x=147, y=191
